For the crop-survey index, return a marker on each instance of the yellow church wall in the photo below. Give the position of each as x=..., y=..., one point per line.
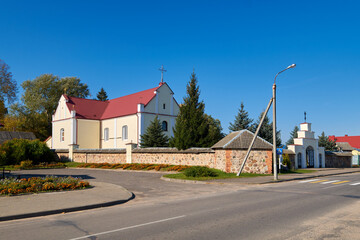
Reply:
x=131, y=122
x=110, y=125
x=57, y=126
x=88, y=133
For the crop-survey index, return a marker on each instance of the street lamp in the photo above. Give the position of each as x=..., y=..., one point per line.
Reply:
x=274, y=121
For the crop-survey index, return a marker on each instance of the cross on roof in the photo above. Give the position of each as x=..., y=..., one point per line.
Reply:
x=162, y=69
x=305, y=116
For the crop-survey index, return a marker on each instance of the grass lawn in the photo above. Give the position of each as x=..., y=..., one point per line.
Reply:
x=72, y=164
x=221, y=175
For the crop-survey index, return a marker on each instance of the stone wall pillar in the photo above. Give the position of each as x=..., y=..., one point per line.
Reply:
x=129, y=148
x=72, y=147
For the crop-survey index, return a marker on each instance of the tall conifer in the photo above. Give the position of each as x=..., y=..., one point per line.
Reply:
x=266, y=130
x=191, y=127
x=242, y=120
x=293, y=135
x=102, y=95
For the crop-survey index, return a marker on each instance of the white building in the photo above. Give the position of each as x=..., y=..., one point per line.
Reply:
x=306, y=148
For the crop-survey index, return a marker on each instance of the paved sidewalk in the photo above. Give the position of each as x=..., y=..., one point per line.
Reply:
x=320, y=172
x=33, y=205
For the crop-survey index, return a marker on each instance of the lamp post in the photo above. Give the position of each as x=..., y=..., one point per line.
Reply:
x=274, y=121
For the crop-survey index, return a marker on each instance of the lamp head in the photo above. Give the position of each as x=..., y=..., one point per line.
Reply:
x=291, y=66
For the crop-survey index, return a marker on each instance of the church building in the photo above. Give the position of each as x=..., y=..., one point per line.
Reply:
x=92, y=124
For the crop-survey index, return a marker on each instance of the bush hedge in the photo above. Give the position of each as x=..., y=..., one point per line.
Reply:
x=14, y=151
x=198, y=171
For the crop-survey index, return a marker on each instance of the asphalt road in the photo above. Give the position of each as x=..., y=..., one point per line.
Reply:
x=328, y=208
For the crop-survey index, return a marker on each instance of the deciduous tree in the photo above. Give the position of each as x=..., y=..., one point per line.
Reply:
x=8, y=88
x=40, y=99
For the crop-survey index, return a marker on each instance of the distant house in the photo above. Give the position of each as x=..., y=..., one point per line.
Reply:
x=5, y=136
x=93, y=124
x=344, y=147
x=353, y=141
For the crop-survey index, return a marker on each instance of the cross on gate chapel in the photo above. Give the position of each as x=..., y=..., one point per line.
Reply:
x=92, y=124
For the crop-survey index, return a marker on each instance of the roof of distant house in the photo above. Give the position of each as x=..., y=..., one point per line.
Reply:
x=6, y=135
x=241, y=140
x=100, y=110
x=354, y=141
x=344, y=146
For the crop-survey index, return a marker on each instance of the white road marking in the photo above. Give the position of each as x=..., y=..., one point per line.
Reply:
x=330, y=182
x=353, y=184
x=125, y=228
x=312, y=180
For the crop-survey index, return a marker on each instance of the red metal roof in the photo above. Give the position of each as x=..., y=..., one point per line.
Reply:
x=354, y=141
x=99, y=110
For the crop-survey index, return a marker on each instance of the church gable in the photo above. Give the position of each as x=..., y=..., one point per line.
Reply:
x=62, y=111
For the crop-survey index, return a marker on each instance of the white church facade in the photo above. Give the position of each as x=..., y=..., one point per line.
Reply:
x=92, y=124
x=306, y=148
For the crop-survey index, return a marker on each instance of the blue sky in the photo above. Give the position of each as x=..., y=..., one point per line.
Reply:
x=235, y=47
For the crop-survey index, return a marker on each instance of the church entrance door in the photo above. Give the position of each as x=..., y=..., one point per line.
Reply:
x=310, y=157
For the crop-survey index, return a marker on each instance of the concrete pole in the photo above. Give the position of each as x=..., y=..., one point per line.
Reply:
x=254, y=138
x=274, y=133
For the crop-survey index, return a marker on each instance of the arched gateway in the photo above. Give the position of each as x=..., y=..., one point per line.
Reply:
x=306, y=150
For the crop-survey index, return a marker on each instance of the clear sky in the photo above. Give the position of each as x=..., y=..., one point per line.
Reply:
x=235, y=47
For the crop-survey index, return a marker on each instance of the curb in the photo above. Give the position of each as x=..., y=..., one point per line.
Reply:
x=66, y=210
x=247, y=183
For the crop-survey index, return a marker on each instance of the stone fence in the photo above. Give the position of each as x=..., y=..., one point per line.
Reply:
x=338, y=159
x=228, y=160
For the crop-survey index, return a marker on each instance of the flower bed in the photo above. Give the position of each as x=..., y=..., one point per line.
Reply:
x=11, y=186
x=134, y=166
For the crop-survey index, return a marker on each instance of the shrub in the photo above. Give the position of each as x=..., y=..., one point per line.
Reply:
x=198, y=171
x=26, y=164
x=286, y=161
x=10, y=186
x=14, y=151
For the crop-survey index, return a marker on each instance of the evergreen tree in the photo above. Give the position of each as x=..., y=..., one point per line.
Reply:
x=293, y=135
x=191, y=127
x=102, y=96
x=154, y=135
x=327, y=143
x=215, y=130
x=266, y=130
x=242, y=120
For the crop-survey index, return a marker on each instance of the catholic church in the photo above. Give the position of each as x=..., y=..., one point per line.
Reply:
x=92, y=124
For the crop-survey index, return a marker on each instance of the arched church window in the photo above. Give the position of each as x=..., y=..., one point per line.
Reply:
x=164, y=126
x=62, y=135
x=299, y=160
x=106, y=134
x=125, y=132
